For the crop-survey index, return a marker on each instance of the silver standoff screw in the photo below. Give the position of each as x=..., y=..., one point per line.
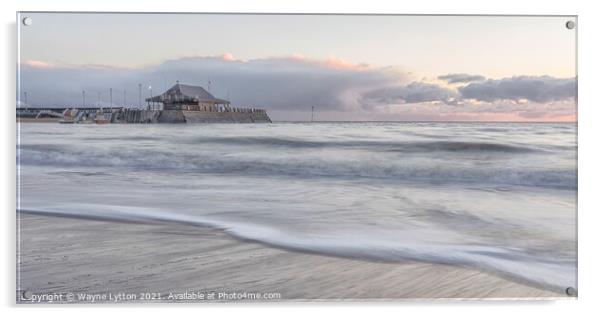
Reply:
x=570, y=25
x=27, y=21
x=570, y=291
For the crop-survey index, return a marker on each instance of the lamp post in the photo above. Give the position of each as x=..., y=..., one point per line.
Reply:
x=111, y=98
x=83, y=98
x=139, y=95
x=150, y=89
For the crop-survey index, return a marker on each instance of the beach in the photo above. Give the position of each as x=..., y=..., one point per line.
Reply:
x=68, y=255
x=308, y=211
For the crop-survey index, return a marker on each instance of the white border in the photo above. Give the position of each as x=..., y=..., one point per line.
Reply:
x=589, y=144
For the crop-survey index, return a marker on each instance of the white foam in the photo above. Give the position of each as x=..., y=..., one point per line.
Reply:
x=509, y=263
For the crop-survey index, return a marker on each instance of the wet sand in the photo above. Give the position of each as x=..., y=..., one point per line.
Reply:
x=175, y=262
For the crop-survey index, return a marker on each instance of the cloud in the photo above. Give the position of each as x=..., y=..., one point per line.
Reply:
x=461, y=78
x=333, y=63
x=415, y=92
x=537, y=89
x=282, y=83
x=228, y=57
x=37, y=64
x=289, y=86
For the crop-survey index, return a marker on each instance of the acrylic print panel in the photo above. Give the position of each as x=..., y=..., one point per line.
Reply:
x=240, y=157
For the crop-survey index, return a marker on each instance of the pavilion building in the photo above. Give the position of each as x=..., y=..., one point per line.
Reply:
x=189, y=98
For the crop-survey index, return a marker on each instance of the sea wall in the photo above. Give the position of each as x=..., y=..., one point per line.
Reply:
x=180, y=116
x=169, y=116
x=226, y=117
x=136, y=116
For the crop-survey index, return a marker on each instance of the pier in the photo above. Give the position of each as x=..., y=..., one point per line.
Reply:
x=179, y=104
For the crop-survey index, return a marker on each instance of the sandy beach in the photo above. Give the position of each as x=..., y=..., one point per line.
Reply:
x=174, y=261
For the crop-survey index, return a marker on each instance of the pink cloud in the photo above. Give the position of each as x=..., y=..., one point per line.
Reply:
x=330, y=63
x=229, y=57
x=507, y=117
x=38, y=64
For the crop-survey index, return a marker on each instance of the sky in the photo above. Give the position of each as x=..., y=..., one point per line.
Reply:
x=349, y=67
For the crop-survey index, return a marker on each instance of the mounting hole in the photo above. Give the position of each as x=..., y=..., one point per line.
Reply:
x=570, y=291
x=570, y=25
x=27, y=21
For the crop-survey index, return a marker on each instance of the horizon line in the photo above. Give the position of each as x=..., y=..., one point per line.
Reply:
x=425, y=121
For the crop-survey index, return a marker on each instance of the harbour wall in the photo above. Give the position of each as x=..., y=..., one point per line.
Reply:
x=181, y=116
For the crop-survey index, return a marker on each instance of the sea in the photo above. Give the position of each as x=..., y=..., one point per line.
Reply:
x=497, y=197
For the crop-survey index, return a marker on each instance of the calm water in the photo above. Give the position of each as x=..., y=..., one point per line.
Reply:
x=497, y=197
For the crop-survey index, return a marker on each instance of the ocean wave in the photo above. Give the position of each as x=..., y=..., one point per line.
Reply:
x=128, y=138
x=64, y=156
x=406, y=146
x=551, y=273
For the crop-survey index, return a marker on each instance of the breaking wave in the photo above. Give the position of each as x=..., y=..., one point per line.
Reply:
x=410, y=147
x=398, y=169
x=499, y=198
x=553, y=274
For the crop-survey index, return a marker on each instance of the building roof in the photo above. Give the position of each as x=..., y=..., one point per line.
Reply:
x=188, y=92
